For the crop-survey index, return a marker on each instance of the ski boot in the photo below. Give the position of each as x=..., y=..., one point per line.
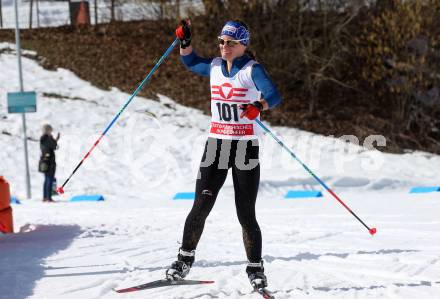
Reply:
x=255, y=272
x=180, y=268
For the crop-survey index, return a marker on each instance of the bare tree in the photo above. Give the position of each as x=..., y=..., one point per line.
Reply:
x=322, y=54
x=1, y=15
x=178, y=9
x=213, y=6
x=31, y=3
x=96, y=12
x=147, y=9
x=112, y=10
x=115, y=11
x=38, y=13
x=161, y=9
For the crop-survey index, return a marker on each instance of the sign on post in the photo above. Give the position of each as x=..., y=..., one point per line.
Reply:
x=22, y=102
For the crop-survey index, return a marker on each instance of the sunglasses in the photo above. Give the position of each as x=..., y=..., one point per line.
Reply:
x=229, y=43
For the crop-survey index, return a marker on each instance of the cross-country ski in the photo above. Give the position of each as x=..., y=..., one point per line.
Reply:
x=162, y=283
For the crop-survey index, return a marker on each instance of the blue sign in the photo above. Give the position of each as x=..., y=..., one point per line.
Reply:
x=22, y=102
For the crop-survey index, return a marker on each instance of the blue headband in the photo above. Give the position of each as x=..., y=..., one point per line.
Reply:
x=236, y=31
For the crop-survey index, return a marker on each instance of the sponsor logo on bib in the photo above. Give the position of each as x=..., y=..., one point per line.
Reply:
x=226, y=91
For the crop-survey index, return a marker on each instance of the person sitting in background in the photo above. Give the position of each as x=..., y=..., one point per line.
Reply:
x=47, y=165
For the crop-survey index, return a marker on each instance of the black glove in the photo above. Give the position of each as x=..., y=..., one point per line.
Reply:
x=183, y=33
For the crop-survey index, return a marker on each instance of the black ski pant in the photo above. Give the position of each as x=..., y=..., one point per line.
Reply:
x=218, y=157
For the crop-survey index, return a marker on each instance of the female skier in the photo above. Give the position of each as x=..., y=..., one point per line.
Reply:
x=240, y=90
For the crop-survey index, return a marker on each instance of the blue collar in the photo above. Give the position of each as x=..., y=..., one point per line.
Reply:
x=237, y=64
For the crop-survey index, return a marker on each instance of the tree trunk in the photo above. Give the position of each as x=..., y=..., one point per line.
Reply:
x=312, y=101
x=178, y=9
x=31, y=4
x=96, y=12
x=162, y=9
x=112, y=10
x=38, y=13
x=1, y=15
x=213, y=7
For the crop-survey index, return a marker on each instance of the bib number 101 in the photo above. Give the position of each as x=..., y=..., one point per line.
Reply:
x=227, y=111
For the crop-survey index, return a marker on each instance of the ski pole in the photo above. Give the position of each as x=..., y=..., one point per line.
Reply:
x=372, y=231
x=60, y=190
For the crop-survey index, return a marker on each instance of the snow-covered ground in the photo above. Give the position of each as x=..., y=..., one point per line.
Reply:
x=312, y=248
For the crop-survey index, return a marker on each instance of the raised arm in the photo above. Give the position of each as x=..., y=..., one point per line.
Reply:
x=195, y=63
